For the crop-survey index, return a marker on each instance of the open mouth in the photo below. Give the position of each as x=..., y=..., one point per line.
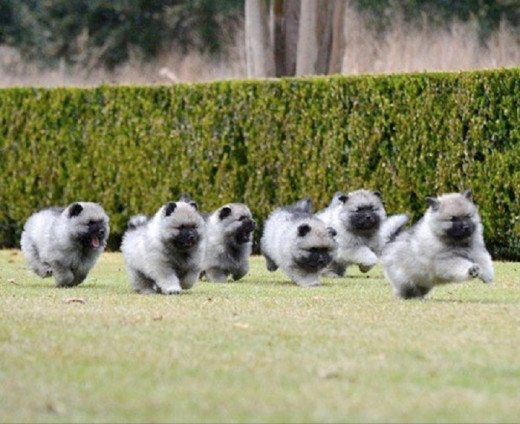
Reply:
x=95, y=243
x=185, y=244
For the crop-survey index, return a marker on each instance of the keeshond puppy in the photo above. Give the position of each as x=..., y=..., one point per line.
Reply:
x=446, y=245
x=360, y=220
x=164, y=253
x=65, y=242
x=297, y=242
x=229, y=242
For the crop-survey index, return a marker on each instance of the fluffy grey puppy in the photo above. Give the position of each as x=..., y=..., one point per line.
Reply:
x=297, y=242
x=65, y=242
x=164, y=253
x=229, y=242
x=446, y=245
x=361, y=223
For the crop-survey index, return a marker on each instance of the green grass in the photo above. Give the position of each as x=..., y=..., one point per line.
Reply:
x=260, y=350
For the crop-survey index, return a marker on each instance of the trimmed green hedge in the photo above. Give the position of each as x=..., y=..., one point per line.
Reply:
x=266, y=143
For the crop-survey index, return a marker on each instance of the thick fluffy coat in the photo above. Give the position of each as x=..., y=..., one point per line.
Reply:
x=164, y=254
x=65, y=242
x=297, y=242
x=446, y=245
x=229, y=242
x=361, y=223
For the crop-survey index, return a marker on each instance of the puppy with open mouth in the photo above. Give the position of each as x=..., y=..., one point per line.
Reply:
x=65, y=242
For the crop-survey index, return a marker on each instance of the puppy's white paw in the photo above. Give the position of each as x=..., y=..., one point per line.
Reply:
x=168, y=290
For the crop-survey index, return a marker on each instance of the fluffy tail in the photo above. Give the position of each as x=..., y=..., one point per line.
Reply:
x=391, y=227
x=137, y=221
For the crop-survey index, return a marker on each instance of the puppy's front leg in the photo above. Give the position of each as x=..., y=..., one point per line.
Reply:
x=170, y=285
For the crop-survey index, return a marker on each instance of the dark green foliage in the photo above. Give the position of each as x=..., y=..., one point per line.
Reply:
x=266, y=143
x=92, y=33
x=488, y=14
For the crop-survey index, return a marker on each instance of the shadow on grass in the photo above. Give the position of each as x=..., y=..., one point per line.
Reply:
x=475, y=301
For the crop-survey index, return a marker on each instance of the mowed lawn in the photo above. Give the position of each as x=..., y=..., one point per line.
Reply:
x=258, y=350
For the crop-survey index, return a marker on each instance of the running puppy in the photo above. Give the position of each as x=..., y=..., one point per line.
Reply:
x=164, y=253
x=446, y=245
x=360, y=221
x=65, y=242
x=229, y=242
x=297, y=242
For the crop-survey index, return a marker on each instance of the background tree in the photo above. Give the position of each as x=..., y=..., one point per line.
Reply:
x=308, y=36
x=283, y=37
x=303, y=37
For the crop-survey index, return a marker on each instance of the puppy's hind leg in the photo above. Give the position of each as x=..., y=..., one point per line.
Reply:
x=41, y=269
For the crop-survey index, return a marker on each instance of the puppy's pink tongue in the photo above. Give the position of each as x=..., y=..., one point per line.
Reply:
x=95, y=242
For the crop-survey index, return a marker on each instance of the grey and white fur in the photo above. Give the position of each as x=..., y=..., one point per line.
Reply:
x=361, y=223
x=164, y=253
x=229, y=242
x=298, y=242
x=65, y=242
x=445, y=245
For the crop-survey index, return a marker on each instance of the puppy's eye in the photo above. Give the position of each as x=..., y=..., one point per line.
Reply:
x=186, y=227
x=242, y=218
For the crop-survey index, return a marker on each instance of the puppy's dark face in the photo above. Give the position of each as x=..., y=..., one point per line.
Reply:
x=244, y=231
x=237, y=222
x=453, y=216
x=182, y=226
x=187, y=236
x=362, y=211
x=365, y=218
x=315, y=259
x=316, y=247
x=95, y=235
x=90, y=224
x=461, y=227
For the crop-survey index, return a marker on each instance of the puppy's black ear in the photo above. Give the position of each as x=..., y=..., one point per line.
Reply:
x=343, y=198
x=75, y=209
x=303, y=230
x=170, y=207
x=377, y=193
x=332, y=231
x=468, y=194
x=433, y=202
x=224, y=212
x=194, y=205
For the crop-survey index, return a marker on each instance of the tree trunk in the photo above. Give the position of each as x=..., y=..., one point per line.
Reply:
x=308, y=42
x=337, y=48
x=259, y=52
x=305, y=37
x=285, y=15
